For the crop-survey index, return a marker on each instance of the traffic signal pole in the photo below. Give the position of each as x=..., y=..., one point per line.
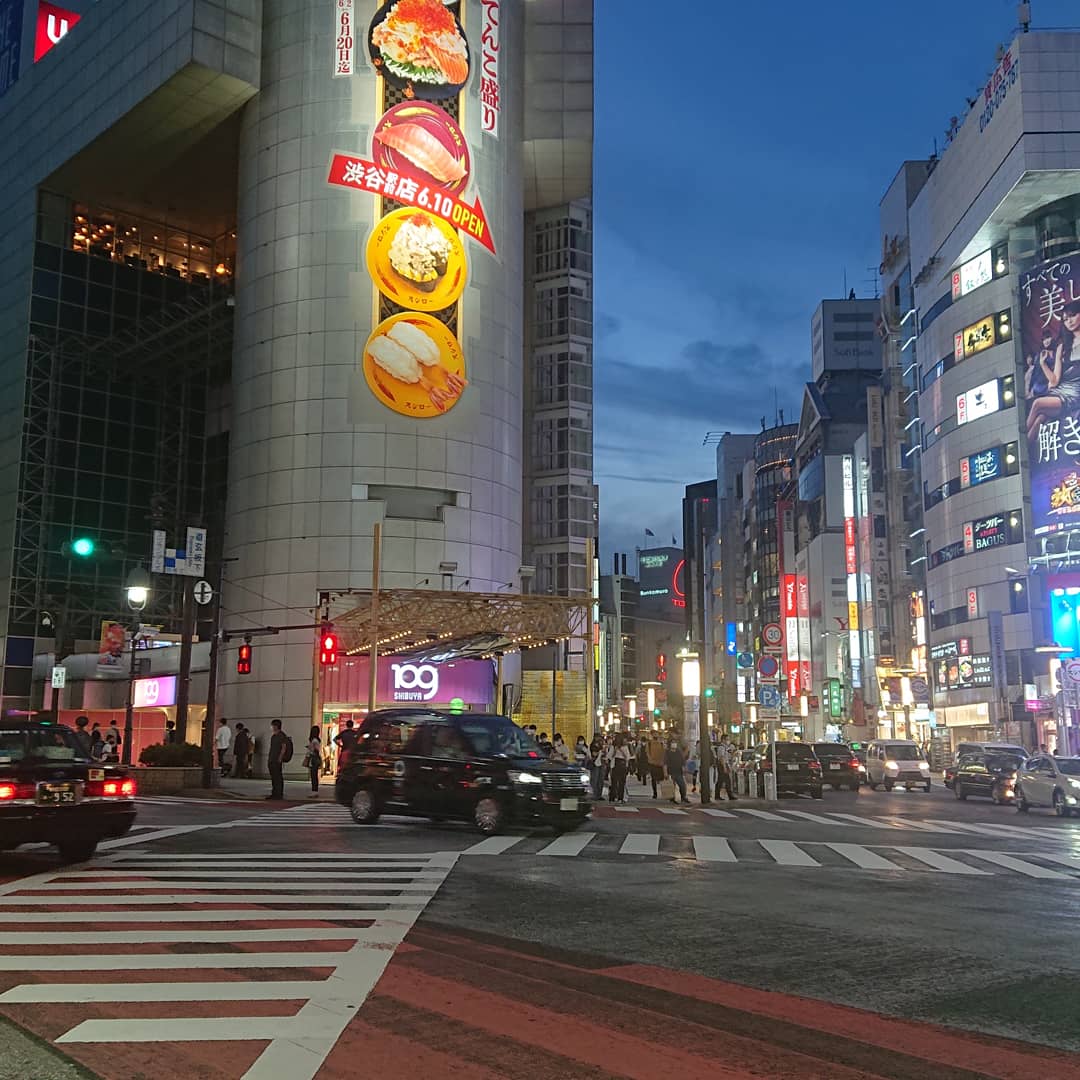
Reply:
x=183, y=683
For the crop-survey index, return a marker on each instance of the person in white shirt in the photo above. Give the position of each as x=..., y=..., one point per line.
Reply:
x=223, y=740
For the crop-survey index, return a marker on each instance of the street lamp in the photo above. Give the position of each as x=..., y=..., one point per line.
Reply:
x=137, y=593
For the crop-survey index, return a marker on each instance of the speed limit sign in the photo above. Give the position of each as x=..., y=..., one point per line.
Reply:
x=771, y=634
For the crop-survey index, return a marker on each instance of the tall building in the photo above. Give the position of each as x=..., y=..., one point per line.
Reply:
x=844, y=337
x=699, y=527
x=242, y=243
x=993, y=242
x=727, y=585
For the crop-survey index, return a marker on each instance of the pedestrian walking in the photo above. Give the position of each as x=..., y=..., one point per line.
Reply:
x=692, y=770
x=313, y=759
x=619, y=758
x=596, y=767
x=223, y=741
x=275, y=760
x=82, y=737
x=726, y=759
x=656, y=763
x=117, y=737
x=642, y=759
x=674, y=762
x=581, y=752
x=241, y=741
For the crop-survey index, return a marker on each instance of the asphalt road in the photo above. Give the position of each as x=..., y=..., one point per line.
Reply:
x=734, y=942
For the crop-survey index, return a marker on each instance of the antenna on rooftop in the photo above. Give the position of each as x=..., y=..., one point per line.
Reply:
x=1023, y=16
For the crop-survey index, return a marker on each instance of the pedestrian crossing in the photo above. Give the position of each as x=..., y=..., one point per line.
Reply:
x=331, y=814
x=900, y=858
x=186, y=931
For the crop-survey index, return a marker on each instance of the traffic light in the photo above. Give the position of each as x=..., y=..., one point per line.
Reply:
x=709, y=691
x=243, y=658
x=86, y=548
x=656, y=712
x=328, y=647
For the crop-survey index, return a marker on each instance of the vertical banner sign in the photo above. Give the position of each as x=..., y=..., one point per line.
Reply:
x=851, y=568
x=11, y=24
x=1050, y=342
x=802, y=588
x=489, y=68
x=790, y=601
x=111, y=646
x=996, y=629
x=344, y=39
x=53, y=23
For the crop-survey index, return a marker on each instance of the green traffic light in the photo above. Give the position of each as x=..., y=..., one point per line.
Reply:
x=708, y=691
x=656, y=712
x=83, y=547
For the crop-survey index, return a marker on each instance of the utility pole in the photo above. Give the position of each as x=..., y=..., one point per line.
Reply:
x=211, y=683
x=373, y=656
x=183, y=683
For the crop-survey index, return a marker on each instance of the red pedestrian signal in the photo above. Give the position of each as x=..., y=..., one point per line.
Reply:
x=328, y=648
x=243, y=659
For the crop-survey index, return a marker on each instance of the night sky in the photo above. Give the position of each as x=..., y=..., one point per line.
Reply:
x=741, y=153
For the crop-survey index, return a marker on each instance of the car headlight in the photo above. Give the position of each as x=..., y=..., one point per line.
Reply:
x=1074, y=783
x=585, y=777
x=519, y=777
x=924, y=766
x=890, y=765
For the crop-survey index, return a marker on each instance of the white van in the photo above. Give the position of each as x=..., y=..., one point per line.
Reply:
x=891, y=762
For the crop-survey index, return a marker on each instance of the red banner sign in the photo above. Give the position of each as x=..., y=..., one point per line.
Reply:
x=360, y=174
x=53, y=23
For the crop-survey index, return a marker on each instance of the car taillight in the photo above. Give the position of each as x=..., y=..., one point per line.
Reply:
x=127, y=787
x=815, y=765
x=7, y=791
x=110, y=787
x=855, y=763
x=17, y=791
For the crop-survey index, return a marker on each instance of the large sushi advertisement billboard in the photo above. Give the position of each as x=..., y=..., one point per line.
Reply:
x=429, y=219
x=1050, y=339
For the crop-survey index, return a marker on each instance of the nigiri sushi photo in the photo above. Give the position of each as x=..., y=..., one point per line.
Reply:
x=420, y=43
x=423, y=359
x=422, y=138
x=417, y=260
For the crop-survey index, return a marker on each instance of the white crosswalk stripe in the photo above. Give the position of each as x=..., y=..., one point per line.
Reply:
x=251, y=913
x=787, y=853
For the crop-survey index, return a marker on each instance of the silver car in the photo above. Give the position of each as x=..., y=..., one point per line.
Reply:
x=1044, y=780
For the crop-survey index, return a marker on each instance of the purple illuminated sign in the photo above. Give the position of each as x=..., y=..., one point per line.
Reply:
x=151, y=693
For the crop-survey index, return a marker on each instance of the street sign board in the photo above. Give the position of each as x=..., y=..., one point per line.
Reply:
x=745, y=660
x=1070, y=672
x=59, y=677
x=203, y=592
x=768, y=667
x=771, y=634
x=770, y=697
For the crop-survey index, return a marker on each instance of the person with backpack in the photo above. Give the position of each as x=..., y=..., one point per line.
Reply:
x=313, y=760
x=674, y=762
x=280, y=752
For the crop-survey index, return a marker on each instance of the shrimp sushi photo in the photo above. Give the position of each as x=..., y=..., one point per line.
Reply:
x=419, y=45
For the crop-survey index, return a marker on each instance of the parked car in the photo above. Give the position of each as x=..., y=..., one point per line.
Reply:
x=839, y=765
x=52, y=792
x=1044, y=780
x=468, y=767
x=798, y=770
x=896, y=762
x=987, y=773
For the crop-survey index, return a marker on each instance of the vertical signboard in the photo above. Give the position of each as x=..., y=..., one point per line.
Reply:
x=790, y=603
x=996, y=628
x=851, y=571
x=11, y=24
x=420, y=172
x=344, y=39
x=1050, y=342
x=490, y=89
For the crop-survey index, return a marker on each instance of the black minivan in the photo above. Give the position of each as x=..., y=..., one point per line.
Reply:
x=460, y=766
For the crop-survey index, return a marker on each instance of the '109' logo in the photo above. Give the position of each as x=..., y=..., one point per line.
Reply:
x=415, y=682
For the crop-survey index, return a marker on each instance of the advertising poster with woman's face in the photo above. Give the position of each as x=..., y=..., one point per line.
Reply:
x=1050, y=337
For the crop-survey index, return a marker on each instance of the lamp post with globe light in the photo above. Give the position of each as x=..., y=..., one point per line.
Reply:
x=137, y=592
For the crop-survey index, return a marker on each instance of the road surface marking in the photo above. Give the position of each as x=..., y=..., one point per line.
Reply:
x=641, y=844
x=310, y=857
x=238, y=867
x=67, y=993
x=170, y=961
x=207, y=1029
x=570, y=844
x=58, y=899
x=234, y=888
x=493, y=845
x=1019, y=865
x=671, y=810
x=788, y=854
x=870, y=822
x=979, y=830
x=626, y=809
x=918, y=826
x=399, y=905
x=713, y=849
x=817, y=819
x=136, y=876
x=936, y=860
x=715, y=813
x=147, y=837
x=763, y=814
x=45, y=939
x=863, y=857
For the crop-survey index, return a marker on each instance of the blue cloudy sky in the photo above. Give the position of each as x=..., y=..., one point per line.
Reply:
x=741, y=152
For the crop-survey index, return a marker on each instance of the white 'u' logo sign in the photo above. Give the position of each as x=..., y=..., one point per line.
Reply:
x=415, y=682
x=56, y=28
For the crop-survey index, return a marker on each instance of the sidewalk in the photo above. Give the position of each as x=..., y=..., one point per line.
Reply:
x=641, y=795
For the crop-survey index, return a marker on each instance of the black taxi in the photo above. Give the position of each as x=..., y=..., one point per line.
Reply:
x=474, y=767
x=52, y=792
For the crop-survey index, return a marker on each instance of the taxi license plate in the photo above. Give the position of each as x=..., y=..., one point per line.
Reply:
x=56, y=794
x=568, y=804
x=792, y=768
x=835, y=765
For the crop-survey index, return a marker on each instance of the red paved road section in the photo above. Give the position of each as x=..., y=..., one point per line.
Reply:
x=453, y=1004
